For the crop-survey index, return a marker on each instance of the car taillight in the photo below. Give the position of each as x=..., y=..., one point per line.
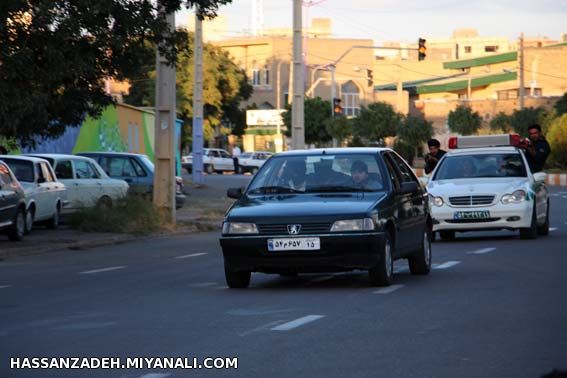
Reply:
x=453, y=142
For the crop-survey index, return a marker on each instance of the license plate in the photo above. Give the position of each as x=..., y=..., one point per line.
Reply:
x=294, y=244
x=479, y=214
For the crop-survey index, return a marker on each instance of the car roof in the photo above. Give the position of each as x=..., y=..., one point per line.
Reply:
x=109, y=153
x=61, y=156
x=333, y=151
x=23, y=158
x=483, y=150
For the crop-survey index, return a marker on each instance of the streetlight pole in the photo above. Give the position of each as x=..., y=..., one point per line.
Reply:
x=297, y=116
x=197, y=164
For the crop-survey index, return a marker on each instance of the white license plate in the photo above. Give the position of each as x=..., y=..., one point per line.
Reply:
x=294, y=244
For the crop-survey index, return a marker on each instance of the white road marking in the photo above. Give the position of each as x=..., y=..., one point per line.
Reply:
x=297, y=323
x=155, y=375
x=5, y=286
x=388, y=290
x=481, y=251
x=191, y=255
x=321, y=279
x=102, y=270
x=261, y=328
x=204, y=284
x=551, y=229
x=447, y=265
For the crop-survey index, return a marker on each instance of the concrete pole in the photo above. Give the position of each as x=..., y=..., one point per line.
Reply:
x=521, y=85
x=399, y=90
x=297, y=116
x=164, y=129
x=198, y=103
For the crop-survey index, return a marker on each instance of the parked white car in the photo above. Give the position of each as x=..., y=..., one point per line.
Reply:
x=485, y=183
x=214, y=160
x=86, y=182
x=252, y=161
x=44, y=195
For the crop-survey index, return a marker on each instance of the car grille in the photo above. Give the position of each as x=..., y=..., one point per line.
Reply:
x=281, y=229
x=461, y=221
x=471, y=200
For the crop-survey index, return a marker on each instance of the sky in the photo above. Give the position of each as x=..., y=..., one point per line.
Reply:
x=407, y=20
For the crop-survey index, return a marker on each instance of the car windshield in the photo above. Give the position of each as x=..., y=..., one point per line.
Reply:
x=480, y=166
x=23, y=170
x=318, y=174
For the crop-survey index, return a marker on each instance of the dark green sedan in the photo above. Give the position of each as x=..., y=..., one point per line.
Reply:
x=328, y=210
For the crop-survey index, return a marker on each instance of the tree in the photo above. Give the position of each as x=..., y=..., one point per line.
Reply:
x=415, y=131
x=557, y=138
x=317, y=113
x=464, y=121
x=561, y=105
x=376, y=122
x=501, y=123
x=522, y=119
x=56, y=54
x=339, y=128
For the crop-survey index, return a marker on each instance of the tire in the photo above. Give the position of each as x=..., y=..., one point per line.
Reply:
x=236, y=279
x=254, y=170
x=544, y=228
x=383, y=273
x=530, y=232
x=104, y=202
x=53, y=223
x=17, y=230
x=30, y=214
x=447, y=235
x=420, y=262
x=209, y=169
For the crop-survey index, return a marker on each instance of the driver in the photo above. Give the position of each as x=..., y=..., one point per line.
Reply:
x=359, y=173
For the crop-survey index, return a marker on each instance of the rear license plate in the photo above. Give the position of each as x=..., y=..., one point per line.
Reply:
x=479, y=214
x=294, y=244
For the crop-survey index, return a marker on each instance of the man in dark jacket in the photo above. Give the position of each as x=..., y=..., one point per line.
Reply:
x=434, y=155
x=537, y=150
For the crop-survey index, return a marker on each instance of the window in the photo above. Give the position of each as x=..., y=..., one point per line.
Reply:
x=491, y=48
x=5, y=178
x=350, y=99
x=118, y=167
x=46, y=172
x=405, y=171
x=64, y=170
x=23, y=170
x=468, y=49
x=481, y=165
x=84, y=170
x=266, y=75
x=255, y=77
x=139, y=170
x=225, y=155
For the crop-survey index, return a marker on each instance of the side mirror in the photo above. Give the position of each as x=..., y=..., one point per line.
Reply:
x=234, y=193
x=540, y=176
x=41, y=180
x=409, y=187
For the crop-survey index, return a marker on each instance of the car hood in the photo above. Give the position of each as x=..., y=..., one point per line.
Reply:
x=476, y=186
x=304, y=207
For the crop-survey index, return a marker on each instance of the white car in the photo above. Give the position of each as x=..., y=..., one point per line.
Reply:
x=86, y=182
x=252, y=161
x=214, y=160
x=485, y=183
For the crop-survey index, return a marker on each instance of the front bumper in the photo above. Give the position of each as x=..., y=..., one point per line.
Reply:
x=510, y=217
x=340, y=252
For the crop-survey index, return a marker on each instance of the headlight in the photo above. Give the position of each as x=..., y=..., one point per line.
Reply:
x=437, y=201
x=516, y=197
x=239, y=228
x=365, y=224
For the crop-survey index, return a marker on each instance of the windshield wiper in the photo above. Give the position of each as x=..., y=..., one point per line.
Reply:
x=339, y=188
x=274, y=190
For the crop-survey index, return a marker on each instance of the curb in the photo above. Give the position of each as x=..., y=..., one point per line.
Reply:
x=552, y=179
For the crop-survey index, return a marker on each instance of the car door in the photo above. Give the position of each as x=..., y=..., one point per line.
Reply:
x=65, y=173
x=214, y=159
x=8, y=196
x=400, y=212
x=43, y=194
x=122, y=168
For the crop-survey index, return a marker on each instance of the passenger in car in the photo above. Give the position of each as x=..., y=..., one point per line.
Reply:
x=359, y=173
x=293, y=175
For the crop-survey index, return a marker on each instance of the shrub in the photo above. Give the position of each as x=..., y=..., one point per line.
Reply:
x=557, y=138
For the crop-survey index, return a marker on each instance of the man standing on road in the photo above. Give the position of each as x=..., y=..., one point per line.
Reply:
x=235, y=155
x=537, y=149
x=434, y=155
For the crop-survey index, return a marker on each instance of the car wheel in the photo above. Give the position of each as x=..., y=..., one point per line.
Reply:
x=209, y=169
x=104, y=203
x=383, y=273
x=254, y=170
x=18, y=228
x=420, y=262
x=29, y=220
x=447, y=235
x=530, y=232
x=236, y=279
x=544, y=228
x=53, y=223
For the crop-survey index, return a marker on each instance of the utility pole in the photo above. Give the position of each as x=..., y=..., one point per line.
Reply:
x=197, y=168
x=399, y=90
x=297, y=116
x=521, y=89
x=164, y=148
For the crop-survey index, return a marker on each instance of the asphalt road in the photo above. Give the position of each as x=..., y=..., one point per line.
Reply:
x=493, y=306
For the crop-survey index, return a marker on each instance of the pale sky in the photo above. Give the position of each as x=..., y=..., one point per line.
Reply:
x=407, y=20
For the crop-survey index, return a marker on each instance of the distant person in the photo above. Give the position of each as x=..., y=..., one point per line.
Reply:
x=235, y=155
x=537, y=149
x=3, y=150
x=359, y=173
x=435, y=154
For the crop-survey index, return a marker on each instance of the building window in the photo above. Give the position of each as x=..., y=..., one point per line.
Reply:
x=350, y=99
x=266, y=75
x=468, y=49
x=491, y=48
x=255, y=77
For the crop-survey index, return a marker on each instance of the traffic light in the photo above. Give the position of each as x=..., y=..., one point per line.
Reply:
x=369, y=77
x=337, y=108
x=421, y=49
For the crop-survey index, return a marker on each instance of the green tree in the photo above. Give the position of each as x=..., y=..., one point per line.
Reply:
x=464, y=121
x=55, y=55
x=501, y=123
x=339, y=128
x=376, y=122
x=414, y=131
x=561, y=105
x=317, y=113
x=522, y=119
x=557, y=138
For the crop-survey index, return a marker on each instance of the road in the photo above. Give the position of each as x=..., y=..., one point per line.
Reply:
x=493, y=306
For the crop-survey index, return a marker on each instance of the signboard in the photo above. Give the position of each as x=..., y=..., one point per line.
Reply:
x=266, y=117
